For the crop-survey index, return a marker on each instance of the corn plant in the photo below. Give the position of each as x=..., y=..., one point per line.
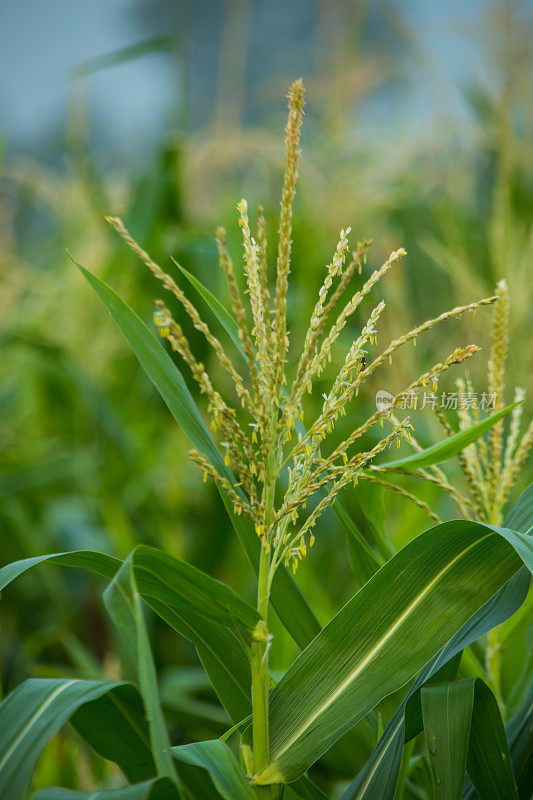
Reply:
x=278, y=469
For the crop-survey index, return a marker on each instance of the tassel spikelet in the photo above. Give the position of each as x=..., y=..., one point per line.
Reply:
x=490, y=466
x=263, y=434
x=496, y=380
x=292, y=140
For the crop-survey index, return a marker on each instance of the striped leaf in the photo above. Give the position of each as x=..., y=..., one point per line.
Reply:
x=377, y=780
x=403, y=616
x=30, y=716
x=447, y=713
x=123, y=603
x=464, y=729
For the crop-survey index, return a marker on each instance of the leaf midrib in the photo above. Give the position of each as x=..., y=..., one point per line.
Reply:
x=33, y=719
x=393, y=628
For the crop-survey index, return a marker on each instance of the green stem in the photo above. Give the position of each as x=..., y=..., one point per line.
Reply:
x=494, y=648
x=259, y=646
x=259, y=665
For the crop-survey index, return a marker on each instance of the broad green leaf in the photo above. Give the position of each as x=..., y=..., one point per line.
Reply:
x=161, y=370
x=221, y=654
x=374, y=645
x=377, y=780
x=449, y=447
x=447, y=712
x=123, y=603
x=116, y=727
x=171, y=581
x=489, y=762
x=218, y=761
x=160, y=577
x=209, y=614
x=226, y=319
x=30, y=716
x=157, y=789
x=464, y=729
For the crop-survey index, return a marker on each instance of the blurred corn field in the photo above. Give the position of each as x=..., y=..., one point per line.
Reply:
x=90, y=457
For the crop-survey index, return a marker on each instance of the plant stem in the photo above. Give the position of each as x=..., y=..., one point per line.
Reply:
x=259, y=646
x=259, y=665
x=494, y=650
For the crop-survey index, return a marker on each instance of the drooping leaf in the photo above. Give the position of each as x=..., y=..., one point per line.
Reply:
x=116, y=727
x=375, y=644
x=123, y=603
x=174, y=582
x=87, y=559
x=200, y=608
x=449, y=447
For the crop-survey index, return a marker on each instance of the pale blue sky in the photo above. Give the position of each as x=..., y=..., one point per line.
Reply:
x=42, y=40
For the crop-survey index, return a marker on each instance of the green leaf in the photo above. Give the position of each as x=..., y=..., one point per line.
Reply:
x=157, y=789
x=116, y=727
x=221, y=654
x=373, y=646
x=520, y=737
x=184, y=588
x=168, y=380
x=489, y=762
x=200, y=608
x=215, y=758
x=464, y=729
x=209, y=614
x=30, y=716
x=377, y=780
x=161, y=370
x=227, y=321
x=447, y=712
x=87, y=559
x=123, y=603
x=449, y=447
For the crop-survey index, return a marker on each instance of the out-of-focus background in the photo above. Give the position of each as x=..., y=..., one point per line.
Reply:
x=418, y=132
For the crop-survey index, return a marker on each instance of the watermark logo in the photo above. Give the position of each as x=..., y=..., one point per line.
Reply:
x=384, y=400
x=426, y=399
